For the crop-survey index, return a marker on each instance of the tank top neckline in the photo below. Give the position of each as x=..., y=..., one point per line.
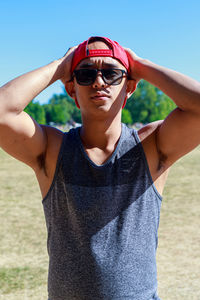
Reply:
x=111, y=156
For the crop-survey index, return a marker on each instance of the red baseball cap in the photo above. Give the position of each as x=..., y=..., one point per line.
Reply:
x=116, y=51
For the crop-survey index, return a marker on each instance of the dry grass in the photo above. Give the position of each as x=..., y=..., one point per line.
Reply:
x=178, y=254
x=23, y=256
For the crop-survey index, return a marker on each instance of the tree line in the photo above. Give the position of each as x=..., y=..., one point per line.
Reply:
x=147, y=104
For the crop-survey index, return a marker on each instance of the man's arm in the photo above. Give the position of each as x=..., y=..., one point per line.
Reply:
x=20, y=135
x=179, y=133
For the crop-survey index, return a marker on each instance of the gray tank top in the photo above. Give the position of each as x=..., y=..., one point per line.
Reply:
x=102, y=223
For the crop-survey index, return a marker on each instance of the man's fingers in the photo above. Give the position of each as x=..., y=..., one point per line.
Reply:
x=67, y=51
x=66, y=64
x=70, y=50
x=131, y=54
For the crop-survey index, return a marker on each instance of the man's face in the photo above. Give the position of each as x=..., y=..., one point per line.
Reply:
x=100, y=96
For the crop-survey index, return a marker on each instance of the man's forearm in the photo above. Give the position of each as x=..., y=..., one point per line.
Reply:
x=183, y=90
x=16, y=94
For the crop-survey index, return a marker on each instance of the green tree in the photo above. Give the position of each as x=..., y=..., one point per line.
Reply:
x=126, y=116
x=47, y=109
x=36, y=111
x=61, y=109
x=148, y=103
x=58, y=109
x=76, y=113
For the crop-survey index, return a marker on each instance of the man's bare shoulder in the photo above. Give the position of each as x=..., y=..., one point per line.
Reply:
x=47, y=161
x=54, y=139
x=149, y=129
x=149, y=138
x=156, y=163
x=53, y=134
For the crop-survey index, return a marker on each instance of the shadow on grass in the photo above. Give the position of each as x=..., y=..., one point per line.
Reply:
x=12, y=279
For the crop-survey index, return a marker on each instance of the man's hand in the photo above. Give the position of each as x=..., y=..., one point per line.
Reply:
x=66, y=62
x=134, y=60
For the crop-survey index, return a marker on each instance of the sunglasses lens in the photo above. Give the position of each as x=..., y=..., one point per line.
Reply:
x=85, y=76
x=112, y=76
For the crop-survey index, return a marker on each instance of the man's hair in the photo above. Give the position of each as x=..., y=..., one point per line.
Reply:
x=98, y=39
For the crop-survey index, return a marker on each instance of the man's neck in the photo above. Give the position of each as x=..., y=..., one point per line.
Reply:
x=100, y=134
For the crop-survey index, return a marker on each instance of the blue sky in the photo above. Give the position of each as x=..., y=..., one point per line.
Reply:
x=33, y=33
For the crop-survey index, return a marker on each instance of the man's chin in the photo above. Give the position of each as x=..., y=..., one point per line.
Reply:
x=101, y=111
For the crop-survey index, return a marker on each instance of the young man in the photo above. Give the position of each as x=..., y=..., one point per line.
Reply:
x=101, y=183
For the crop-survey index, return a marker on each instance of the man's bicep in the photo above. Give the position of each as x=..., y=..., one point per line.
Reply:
x=23, y=138
x=178, y=134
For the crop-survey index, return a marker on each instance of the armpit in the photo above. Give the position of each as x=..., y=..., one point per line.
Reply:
x=162, y=157
x=42, y=162
x=162, y=160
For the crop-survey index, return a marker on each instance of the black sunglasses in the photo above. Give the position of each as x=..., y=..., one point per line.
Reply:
x=110, y=76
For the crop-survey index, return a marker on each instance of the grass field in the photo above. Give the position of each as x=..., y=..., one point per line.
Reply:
x=23, y=255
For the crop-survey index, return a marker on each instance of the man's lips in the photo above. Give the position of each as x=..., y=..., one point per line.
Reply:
x=99, y=96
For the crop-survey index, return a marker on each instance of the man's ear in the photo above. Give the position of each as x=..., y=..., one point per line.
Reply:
x=69, y=86
x=131, y=86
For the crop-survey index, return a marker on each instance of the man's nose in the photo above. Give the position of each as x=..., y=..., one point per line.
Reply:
x=99, y=82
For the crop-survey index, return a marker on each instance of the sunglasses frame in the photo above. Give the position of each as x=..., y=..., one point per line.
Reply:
x=123, y=72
